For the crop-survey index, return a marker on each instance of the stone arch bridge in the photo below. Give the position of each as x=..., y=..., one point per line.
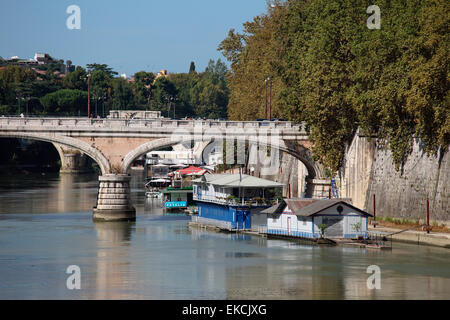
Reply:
x=115, y=143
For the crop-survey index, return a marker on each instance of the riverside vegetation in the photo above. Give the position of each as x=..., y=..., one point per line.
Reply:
x=330, y=70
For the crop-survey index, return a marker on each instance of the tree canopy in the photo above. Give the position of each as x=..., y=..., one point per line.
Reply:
x=65, y=102
x=101, y=67
x=333, y=72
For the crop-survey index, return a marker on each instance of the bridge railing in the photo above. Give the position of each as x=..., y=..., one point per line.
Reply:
x=83, y=122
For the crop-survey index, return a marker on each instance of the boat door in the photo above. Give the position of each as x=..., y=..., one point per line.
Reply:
x=239, y=219
x=246, y=220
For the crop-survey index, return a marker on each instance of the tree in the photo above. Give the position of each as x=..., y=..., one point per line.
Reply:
x=122, y=94
x=428, y=97
x=163, y=93
x=142, y=87
x=334, y=73
x=65, y=102
x=101, y=67
x=192, y=68
x=10, y=79
x=76, y=79
x=100, y=82
x=232, y=47
x=252, y=56
x=209, y=94
x=183, y=83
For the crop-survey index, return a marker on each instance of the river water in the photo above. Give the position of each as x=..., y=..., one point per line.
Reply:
x=46, y=225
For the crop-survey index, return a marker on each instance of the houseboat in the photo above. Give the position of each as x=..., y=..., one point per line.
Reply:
x=228, y=201
x=317, y=218
x=180, y=194
x=154, y=186
x=177, y=198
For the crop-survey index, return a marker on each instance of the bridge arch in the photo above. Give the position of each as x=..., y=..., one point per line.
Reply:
x=315, y=170
x=82, y=146
x=301, y=153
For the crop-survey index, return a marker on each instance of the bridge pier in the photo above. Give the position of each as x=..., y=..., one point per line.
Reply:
x=72, y=160
x=318, y=188
x=113, y=201
x=74, y=163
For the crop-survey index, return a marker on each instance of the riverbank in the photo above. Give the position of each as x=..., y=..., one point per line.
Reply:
x=437, y=239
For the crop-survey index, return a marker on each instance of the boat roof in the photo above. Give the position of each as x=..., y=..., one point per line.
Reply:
x=310, y=207
x=237, y=180
x=167, y=191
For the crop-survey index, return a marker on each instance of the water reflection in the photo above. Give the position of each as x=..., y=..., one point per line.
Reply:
x=50, y=193
x=113, y=260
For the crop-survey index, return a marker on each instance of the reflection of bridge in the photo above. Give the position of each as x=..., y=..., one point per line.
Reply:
x=115, y=143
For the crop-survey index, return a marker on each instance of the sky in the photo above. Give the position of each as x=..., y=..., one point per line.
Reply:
x=130, y=35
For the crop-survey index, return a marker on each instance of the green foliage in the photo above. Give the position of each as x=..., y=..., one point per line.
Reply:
x=252, y=56
x=322, y=228
x=100, y=82
x=357, y=227
x=11, y=78
x=163, y=95
x=232, y=198
x=122, y=94
x=76, y=79
x=332, y=72
x=101, y=67
x=192, y=68
x=141, y=87
x=192, y=94
x=64, y=102
x=7, y=110
x=209, y=95
x=203, y=94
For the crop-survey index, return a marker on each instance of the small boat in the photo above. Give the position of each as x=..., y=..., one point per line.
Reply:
x=153, y=194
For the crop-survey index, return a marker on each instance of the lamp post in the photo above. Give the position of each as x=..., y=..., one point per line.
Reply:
x=150, y=97
x=174, y=106
x=89, y=94
x=169, y=104
x=270, y=98
x=103, y=106
x=18, y=99
x=265, y=90
x=96, y=103
x=28, y=100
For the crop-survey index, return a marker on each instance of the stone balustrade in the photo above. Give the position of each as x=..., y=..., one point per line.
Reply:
x=141, y=124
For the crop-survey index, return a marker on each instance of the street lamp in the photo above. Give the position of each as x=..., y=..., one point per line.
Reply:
x=18, y=99
x=103, y=105
x=89, y=94
x=174, y=106
x=269, y=80
x=265, y=90
x=169, y=101
x=150, y=97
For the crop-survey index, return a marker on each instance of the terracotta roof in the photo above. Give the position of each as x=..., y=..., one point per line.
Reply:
x=191, y=170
